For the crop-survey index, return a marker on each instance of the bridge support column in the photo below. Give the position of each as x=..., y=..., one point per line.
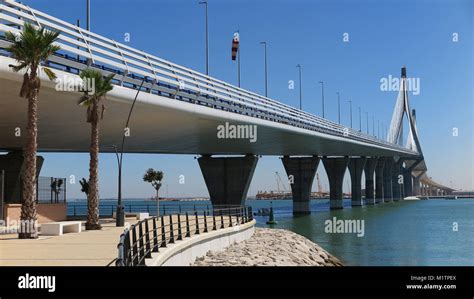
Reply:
x=416, y=186
x=369, y=169
x=397, y=186
x=356, y=166
x=379, y=169
x=387, y=180
x=335, y=169
x=302, y=170
x=228, y=178
x=13, y=163
x=407, y=183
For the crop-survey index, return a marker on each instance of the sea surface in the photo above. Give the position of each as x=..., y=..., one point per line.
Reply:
x=435, y=232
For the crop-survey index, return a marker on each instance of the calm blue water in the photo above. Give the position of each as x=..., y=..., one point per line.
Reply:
x=418, y=233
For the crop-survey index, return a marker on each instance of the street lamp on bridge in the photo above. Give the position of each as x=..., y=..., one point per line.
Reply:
x=339, y=107
x=207, y=37
x=299, y=68
x=350, y=111
x=360, y=120
x=322, y=94
x=367, y=114
x=266, y=69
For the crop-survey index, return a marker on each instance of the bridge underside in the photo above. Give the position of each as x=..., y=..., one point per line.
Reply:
x=158, y=125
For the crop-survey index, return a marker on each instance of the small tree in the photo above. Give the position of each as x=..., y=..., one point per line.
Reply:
x=154, y=177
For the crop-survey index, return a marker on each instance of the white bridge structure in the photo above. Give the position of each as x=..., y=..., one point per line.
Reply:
x=179, y=110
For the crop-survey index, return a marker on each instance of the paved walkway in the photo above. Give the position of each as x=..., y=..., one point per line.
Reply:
x=88, y=248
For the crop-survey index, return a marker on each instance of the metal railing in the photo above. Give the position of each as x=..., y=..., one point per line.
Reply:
x=139, y=241
x=108, y=210
x=81, y=49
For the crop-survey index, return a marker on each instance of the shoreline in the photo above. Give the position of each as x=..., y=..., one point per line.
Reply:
x=271, y=247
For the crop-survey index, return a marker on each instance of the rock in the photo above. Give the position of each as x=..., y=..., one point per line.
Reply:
x=270, y=247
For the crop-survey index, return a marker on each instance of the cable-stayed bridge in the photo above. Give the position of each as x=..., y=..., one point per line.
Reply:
x=181, y=111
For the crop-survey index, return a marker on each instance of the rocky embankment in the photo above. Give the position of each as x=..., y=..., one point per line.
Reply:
x=270, y=247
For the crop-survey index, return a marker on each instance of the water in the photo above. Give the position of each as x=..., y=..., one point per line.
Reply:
x=418, y=233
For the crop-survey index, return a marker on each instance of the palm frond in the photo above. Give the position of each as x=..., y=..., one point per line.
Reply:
x=51, y=75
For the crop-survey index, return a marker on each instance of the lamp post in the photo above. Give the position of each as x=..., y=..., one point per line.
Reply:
x=120, y=213
x=350, y=111
x=373, y=125
x=299, y=68
x=367, y=114
x=266, y=68
x=378, y=129
x=322, y=94
x=360, y=120
x=339, y=106
x=88, y=10
x=207, y=37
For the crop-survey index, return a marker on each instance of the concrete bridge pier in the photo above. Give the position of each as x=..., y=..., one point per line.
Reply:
x=379, y=169
x=356, y=166
x=407, y=183
x=416, y=186
x=228, y=178
x=369, y=168
x=335, y=169
x=387, y=180
x=397, y=183
x=301, y=172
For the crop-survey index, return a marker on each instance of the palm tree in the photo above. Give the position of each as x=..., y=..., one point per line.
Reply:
x=30, y=48
x=94, y=101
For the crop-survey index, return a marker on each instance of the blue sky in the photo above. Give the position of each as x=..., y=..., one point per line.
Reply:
x=383, y=36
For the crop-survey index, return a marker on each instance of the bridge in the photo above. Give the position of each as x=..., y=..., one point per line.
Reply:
x=180, y=111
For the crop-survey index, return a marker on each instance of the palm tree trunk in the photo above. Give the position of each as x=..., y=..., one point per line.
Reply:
x=28, y=227
x=93, y=196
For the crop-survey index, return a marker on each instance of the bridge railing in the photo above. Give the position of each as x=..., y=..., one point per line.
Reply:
x=81, y=49
x=140, y=240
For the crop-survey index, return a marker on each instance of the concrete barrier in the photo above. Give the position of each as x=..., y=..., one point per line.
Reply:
x=185, y=252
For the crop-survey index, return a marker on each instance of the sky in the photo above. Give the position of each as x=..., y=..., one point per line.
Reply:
x=433, y=39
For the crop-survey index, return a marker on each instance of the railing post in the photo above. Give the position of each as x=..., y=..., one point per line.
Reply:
x=155, y=236
x=171, y=230
x=188, y=231
x=230, y=218
x=141, y=249
x=147, y=240
x=196, y=219
x=222, y=220
x=205, y=222
x=134, y=246
x=163, y=232
x=214, y=227
x=180, y=236
x=237, y=212
x=127, y=249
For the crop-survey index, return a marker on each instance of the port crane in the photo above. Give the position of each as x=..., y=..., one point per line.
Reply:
x=279, y=182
